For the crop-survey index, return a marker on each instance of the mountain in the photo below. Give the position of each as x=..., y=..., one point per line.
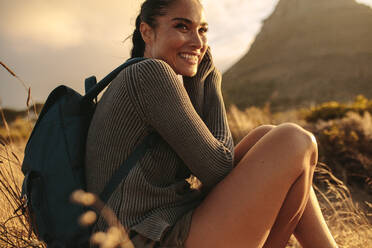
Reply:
x=308, y=51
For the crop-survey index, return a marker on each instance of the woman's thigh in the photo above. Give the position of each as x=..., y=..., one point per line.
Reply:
x=249, y=141
x=241, y=209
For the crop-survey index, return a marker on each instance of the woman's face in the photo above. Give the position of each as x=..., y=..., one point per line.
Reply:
x=179, y=37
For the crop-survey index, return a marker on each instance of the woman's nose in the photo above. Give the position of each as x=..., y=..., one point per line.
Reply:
x=196, y=40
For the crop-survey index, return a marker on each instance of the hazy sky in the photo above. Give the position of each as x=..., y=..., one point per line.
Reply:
x=52, y=42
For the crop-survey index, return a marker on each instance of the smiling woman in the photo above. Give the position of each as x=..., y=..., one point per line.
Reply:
x=256, y=194
x=179, y=41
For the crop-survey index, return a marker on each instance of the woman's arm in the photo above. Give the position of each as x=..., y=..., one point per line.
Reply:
x=214, y=112
x=205, y=93
x=195, y=85
x=163, y=102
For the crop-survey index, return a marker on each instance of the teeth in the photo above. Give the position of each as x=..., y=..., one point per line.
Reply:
x=189, y=57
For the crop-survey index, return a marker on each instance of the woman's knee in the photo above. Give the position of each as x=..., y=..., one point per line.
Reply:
x=255, y=135
x=299, y=133
x=263, y=129
x=259, y=132
x=302, y=143
x=250, y=140
x=286, y=141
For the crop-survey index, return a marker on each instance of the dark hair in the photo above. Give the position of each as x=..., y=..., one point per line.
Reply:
x=150, y=9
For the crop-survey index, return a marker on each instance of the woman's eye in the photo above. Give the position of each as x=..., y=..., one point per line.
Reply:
x=181, y=26
x=203, y=30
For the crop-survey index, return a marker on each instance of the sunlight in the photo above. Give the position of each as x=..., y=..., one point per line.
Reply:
x=366, y=2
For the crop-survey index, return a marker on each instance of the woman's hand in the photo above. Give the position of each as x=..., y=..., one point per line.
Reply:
x=204, y=68
x=195, y=85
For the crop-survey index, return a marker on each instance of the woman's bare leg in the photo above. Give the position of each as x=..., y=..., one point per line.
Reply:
x=311, y=219
x=291, y=212
x=242, y=209
x=249, y=141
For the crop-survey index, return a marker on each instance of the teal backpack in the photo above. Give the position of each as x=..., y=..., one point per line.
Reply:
x=54, y=163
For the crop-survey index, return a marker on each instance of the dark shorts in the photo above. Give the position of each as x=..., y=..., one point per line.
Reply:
x=175, y=237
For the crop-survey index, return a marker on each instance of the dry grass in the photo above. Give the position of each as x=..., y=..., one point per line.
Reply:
x=14, y=228
x=348, y=222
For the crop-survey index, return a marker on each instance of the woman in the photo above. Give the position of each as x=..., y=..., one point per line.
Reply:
x=254, y=195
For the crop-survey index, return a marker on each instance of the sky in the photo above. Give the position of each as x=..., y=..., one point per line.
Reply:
x=52, y=42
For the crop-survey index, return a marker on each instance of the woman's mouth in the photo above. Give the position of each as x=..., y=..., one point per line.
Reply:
x=190, y=58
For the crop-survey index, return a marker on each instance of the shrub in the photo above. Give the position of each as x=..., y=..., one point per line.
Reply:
x=335, y=110
x=345, y=145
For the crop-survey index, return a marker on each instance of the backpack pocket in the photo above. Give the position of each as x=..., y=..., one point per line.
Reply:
x=36, y=205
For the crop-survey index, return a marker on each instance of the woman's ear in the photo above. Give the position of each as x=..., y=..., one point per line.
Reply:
x=147, y=33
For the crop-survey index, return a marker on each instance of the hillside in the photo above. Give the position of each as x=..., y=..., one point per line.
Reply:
x=12, y=114
x=307, y=52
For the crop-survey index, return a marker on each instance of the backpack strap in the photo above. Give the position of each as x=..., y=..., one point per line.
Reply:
x=89, y=83
x=121, y=173
x=101, y=85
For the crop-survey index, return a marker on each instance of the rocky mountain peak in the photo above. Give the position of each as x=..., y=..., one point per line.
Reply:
x=308, y=51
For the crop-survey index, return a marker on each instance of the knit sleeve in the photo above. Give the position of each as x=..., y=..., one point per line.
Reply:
x=214, y=111
x=164, y=103
x=195, y=85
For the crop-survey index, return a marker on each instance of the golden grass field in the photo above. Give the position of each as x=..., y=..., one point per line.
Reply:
x=347, y=220
x=349, y=223
x=346, y=137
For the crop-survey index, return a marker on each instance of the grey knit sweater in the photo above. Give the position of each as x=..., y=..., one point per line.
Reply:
x=190, y=117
